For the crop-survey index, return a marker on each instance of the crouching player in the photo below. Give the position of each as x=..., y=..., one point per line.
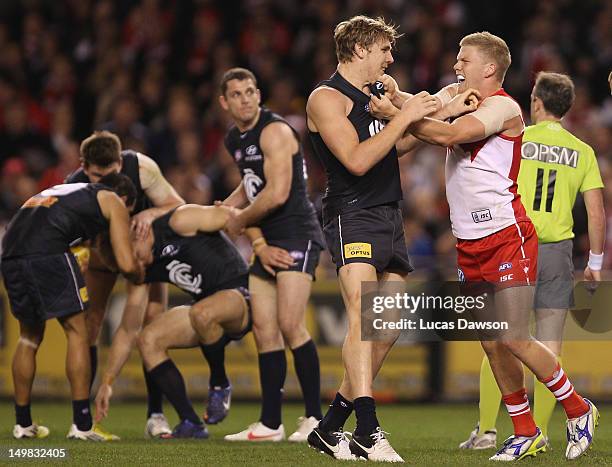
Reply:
x=43, y=281
x=184, y=247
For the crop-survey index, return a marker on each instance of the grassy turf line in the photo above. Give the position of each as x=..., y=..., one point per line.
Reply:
x=422, y=434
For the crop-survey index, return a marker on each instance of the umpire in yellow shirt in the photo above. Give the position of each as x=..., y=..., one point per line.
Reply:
x=555, y=165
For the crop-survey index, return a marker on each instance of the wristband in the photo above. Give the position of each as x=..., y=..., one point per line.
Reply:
x=595, y=261
x=258, y=241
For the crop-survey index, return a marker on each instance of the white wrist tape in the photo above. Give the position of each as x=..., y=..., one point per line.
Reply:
x=595, y=261
x=444, y=95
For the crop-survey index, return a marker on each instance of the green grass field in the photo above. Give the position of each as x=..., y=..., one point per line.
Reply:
x=422, y=434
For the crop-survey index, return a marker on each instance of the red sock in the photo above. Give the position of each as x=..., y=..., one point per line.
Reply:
x=517, y=404
x=564, y=391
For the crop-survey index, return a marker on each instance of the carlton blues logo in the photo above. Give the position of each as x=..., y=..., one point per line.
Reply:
x=180, y=275
x=252, y=184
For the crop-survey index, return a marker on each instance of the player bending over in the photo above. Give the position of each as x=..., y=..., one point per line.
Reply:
x=184, y=247
x=43, y=281
x=101, y=154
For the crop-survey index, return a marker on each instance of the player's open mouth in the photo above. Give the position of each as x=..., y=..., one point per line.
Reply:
x=460, y=79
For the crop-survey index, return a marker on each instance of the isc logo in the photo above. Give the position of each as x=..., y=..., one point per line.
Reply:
x=506, y=278
x=483, y=215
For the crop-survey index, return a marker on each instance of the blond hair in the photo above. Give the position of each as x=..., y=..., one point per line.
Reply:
x=492, y=47
x=364, y=31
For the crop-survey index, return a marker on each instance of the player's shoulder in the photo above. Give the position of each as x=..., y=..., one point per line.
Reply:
x=327, y=100
x=502, y=101
x=325, y=93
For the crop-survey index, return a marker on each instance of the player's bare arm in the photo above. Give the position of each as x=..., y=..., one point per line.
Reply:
x=593, y=200
x=278, y=144
x=124, y=341
x=163, y=196
x=190, y=219
x=115, y=211
x=237, y=198
x=327, y=113
x=496, y=114
x=459, y=105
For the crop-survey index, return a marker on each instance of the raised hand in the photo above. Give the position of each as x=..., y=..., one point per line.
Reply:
x=420, y=105
x=382, y=107
x=462, y=103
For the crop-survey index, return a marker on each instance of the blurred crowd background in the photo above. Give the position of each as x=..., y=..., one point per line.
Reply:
x=148, y=70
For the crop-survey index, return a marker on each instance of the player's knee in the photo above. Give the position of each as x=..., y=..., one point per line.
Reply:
x=201, y=318
x=291, y=326
x=267, y=336
x=146, y=342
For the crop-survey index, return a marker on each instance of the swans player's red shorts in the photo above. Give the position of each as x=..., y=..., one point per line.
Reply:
x=507, y=258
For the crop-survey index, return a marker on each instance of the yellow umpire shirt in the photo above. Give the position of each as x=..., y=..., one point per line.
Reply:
x=555, y=165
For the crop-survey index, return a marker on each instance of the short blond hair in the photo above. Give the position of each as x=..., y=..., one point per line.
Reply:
x=493, y=47
x=364, y=31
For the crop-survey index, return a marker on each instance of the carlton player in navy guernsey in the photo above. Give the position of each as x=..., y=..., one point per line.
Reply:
x=273, y=193
x=362, y=220
x=185, y=247
x=43, y=281
x=101, y=154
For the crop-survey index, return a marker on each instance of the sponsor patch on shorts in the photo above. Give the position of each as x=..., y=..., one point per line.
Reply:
x=358, y=250
x=83, y=293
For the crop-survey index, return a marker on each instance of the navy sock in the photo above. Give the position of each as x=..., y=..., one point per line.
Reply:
x=169, y=379
x=81, y=415
x=215, y=356
x=338, y=413
x=93, y=356
x=365, y=411
x=306, y=361
x=272, y=373
x=154, y=394
x=23, y=415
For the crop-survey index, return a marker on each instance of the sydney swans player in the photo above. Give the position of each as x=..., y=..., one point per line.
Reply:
x=493, y=230
x=555, y=166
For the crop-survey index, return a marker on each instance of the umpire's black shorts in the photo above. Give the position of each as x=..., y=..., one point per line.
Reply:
x=44, y=287
x=305, y=254
x=372, y=235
